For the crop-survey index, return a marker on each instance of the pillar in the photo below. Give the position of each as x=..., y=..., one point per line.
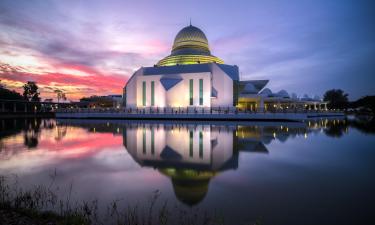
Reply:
x=261, y=105
x=14, y=107
x=278, y=105
x=25, y=107
x=2, y=107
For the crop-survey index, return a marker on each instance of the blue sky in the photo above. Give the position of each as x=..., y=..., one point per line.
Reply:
x=93, y=47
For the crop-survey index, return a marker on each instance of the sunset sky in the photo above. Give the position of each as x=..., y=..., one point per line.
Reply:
x=92, y=47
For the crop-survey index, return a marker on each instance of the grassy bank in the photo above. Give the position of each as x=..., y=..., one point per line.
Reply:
x=41, y=205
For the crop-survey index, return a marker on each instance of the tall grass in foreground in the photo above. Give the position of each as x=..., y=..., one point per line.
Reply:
x=41, y=201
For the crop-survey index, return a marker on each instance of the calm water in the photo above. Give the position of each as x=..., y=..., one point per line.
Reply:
x=319, y=172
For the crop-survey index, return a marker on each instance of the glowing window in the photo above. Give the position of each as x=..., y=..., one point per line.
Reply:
x=191, y=83
x=200, y=91
x=152, y=93
x=144, y=93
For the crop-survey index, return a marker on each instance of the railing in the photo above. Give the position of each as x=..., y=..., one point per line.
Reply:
x=189, y=110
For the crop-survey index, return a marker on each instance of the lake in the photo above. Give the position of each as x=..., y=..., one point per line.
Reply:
x=316, y=172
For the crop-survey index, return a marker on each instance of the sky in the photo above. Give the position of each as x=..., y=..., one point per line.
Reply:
x=92, y=47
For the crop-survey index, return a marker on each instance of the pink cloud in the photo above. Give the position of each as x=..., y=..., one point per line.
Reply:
x=94, y=83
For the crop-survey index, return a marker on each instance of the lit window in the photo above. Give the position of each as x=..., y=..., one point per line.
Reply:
x=152, y=93
x=144, y=93
x=200, y=91
x=191, y=83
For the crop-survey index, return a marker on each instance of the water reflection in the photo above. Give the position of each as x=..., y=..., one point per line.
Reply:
x=274, y=170
x=190, y=154
x=29, y=127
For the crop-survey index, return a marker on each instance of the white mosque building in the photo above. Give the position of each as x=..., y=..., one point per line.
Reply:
x=190, y=77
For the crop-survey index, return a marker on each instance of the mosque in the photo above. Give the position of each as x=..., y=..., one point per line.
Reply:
x=192, y=78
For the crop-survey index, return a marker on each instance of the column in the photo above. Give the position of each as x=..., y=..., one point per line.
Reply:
x=2, y=107
x=25, y=107
x=14, y=107
x=261, y=105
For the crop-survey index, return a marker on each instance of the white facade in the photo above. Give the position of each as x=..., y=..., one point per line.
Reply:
x=211, y=86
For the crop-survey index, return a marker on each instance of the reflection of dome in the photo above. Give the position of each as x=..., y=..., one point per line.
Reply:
x=190, y=186
x=190, y=47
x=190, y=191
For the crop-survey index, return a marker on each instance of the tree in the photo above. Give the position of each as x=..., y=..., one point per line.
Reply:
x=60, y=95
x=8, y=94
x=367, y=102
x=30, y=91
x=336, y=99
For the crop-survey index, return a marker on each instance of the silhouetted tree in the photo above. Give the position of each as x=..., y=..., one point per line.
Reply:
x=367, y=102
x=336, y=99
x=8, y=94
x=30, y=91
x=60, y=95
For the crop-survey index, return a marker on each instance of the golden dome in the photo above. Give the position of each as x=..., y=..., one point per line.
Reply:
x=190, y=46
x=191, y=38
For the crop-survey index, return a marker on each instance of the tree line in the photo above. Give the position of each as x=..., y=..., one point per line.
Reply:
x=30, y=93
x=338, y=99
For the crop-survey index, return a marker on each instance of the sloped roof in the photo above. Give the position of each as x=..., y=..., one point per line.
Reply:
x=169, y=82
x=231, y=71
x=195, y=68
x=252, y=86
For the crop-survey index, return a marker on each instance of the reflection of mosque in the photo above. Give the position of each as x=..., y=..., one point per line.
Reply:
x=193, y=154
x=189, y=154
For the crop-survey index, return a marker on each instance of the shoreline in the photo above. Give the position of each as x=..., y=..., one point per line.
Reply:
x=287, y=117
x=22, y=115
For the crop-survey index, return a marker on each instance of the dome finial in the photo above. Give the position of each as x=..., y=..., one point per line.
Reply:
x=190, y=21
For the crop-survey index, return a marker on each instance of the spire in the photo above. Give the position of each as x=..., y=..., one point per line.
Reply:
x=190, y=21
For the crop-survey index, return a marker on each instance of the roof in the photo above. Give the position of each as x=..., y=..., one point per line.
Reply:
x=252, y=86
x=169, y=82
x=231, y=71
x=195, y=68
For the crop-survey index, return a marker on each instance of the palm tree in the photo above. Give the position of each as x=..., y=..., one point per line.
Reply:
x=60, y=95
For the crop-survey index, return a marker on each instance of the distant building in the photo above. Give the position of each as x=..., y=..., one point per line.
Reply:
x=107, y=101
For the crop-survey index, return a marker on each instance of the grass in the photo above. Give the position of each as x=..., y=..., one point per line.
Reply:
x=42, y=204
